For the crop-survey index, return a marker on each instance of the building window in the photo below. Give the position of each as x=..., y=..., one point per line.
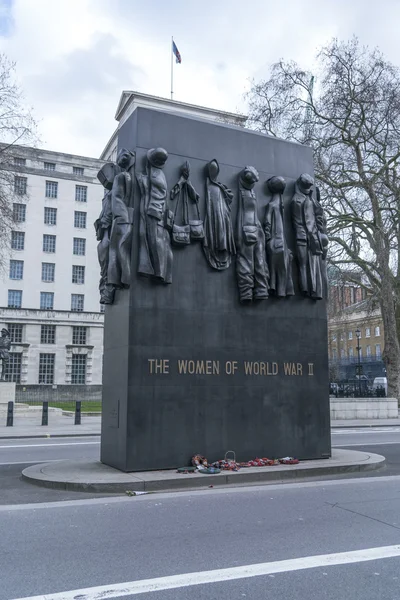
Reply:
x=77, y=302
x=342, y=353
x=19, y=212
x=19, y=162
x=378, y=353
x=50, y=216
x=15, y=330
x=14, y=298
x=48, y=334
x=49, y=166
x=18, y=240
x=20, y=185
x=334, y=353
x=51, y=189
x=368, y=332
x=79, y=335
x=368, y=350
x=350, y=335
x=46, y=300
x=81, y=193
x=79, y=246
x=16, y=269
x=377, y=331
x=334, y=337
x=13, y=367
x=351, y=354
x=49, y=243
x=80, y=219
x=48, y=271
x=46, y=368
x=78, y=371
x=78, y=274
x=78, y=171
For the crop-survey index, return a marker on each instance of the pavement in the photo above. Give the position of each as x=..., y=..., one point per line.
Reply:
x=63, y=426
x=93, y=476
x=59, y=426
x=351, y=423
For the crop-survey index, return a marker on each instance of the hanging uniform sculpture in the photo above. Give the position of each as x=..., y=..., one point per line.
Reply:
x=155, y=254
x=218, y=243
x=181, y=193
x=278, y=254
x=251, y=266
x=263, y=257
x=114, y=225
x=308, y=237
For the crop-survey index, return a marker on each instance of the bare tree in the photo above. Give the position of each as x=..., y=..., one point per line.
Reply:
x=351, y=118
x=17, y=128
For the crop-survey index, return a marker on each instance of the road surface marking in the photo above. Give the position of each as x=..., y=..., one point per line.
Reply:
x=31, y=462
x=364, y=444
x=49, y=445
x=132, y=588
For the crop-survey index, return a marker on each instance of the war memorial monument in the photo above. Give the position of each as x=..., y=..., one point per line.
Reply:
x=212, y=250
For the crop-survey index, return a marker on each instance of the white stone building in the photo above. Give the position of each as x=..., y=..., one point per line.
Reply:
x=49, y=297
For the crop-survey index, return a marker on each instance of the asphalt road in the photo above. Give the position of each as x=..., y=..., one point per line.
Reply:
x=54, y=541
x=181, y=539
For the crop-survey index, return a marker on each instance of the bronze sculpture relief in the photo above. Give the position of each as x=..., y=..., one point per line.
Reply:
x=5, y=345
x=251, y=266
x=311, y=240
x=181, y=193
x=114, y=225
x=278, y=254
x=156, y=220
x=218, y=243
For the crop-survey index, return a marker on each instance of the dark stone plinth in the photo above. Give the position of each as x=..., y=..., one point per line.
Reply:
x=159, y=419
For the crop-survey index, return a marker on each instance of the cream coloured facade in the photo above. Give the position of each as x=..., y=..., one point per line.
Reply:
x=49, y=297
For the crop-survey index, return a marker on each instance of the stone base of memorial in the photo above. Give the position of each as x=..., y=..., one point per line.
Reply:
x=188, y=368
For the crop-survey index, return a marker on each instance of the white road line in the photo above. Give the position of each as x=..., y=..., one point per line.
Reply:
x=344, y=445
x=368, y=432
x=49, y=445
x=132, y=588
x=31, y=462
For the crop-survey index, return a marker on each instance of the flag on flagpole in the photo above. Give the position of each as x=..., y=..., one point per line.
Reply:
x=176, y=52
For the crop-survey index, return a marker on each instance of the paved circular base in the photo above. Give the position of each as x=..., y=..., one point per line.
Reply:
x=93, y=476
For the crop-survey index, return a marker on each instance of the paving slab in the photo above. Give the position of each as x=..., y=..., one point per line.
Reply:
x=93, y=476
x=60, y=426
x=351, y=423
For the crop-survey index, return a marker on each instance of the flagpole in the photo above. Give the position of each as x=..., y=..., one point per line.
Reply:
x=172, y=68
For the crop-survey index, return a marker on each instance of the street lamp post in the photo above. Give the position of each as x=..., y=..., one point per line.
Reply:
x=358, y=336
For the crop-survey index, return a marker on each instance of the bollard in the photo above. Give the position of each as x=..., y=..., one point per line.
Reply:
x=78, y=412
x=45, y=413
x=10, y=414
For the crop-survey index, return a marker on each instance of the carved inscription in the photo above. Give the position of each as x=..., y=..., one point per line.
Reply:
x=163, y=366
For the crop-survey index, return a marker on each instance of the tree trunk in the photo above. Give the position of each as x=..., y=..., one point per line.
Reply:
x=391, y=353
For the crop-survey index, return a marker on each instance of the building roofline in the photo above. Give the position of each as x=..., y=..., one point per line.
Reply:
x=50, y=152
x=127, y=94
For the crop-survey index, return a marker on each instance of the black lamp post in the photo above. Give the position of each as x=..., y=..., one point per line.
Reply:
x=358, y=336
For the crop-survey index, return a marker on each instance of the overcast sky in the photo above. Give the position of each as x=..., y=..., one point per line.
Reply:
x=74, y=57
